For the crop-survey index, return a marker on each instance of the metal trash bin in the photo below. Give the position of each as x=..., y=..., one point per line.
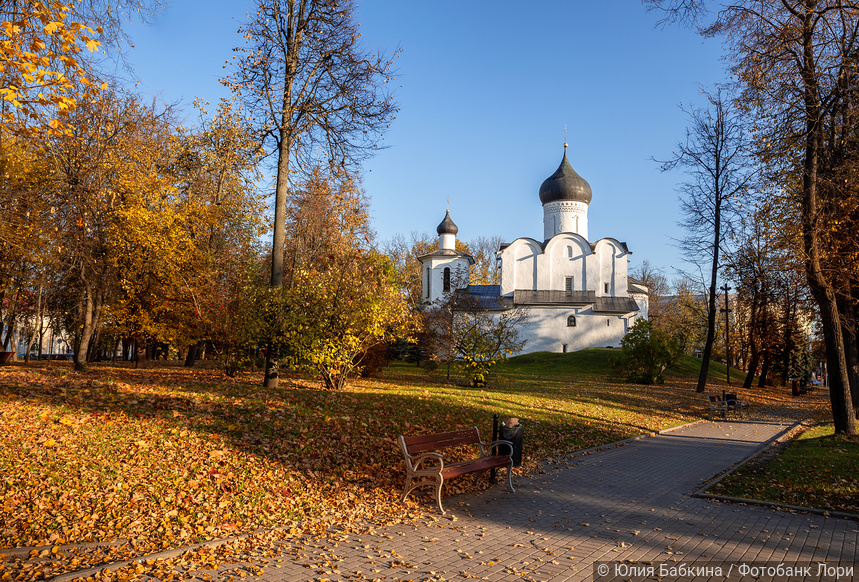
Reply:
x=513, y=433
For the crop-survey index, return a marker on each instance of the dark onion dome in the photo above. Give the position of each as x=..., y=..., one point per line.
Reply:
x=565, y=184
x=447, y=226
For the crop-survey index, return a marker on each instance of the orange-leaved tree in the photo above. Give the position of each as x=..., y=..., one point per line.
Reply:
x=217, y=172
x=41, y=69
x=117, y=216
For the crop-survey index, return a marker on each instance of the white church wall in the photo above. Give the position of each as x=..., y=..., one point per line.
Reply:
x=526, y=265
x=643, y=302
x=433, y=287
x=519, y=265
x=566, y=255
x=562, y=216
x=612, y=268
x=606, y=260
x=547, y=329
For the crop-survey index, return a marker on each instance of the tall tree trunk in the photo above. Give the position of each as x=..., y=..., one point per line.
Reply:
x=711, y=309
x=765, y=368
x=191, y=356
x=753, y=367
x=87, y=308
x=293, y=41
x=821, y=289
x=847, y=306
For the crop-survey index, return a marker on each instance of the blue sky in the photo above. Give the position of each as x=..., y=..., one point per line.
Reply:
x=486, y=89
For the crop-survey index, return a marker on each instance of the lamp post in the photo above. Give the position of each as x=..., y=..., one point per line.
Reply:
x=726, y=311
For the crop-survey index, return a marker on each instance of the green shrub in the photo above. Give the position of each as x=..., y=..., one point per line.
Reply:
x=647, y=353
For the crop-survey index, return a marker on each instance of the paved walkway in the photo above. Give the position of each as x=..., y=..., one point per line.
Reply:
x=632, y=502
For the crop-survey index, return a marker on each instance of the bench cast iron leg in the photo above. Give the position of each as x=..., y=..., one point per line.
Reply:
x=438, y=495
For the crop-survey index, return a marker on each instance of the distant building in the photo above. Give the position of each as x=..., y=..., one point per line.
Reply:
x=50, y=343
x=578, y=293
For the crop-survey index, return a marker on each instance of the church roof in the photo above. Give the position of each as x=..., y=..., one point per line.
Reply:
x=551, y=297
x=447, y=253
x=486, y=297
x=555, y=297
x=615, y=305
x=545, y=243
x=636, y=286
x=447, y=226
x=565, y=184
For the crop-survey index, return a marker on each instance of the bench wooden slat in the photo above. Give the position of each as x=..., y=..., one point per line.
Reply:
x=434, y=442
x=463, y=467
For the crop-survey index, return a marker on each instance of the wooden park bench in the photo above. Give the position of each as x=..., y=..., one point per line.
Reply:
x=426, y=467
x=730, y=403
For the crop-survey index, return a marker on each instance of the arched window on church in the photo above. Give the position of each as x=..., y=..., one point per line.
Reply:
x=446, y=286
x=571, y=321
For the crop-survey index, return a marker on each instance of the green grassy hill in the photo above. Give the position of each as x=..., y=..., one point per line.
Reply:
x=690, y=367
x=599, y=363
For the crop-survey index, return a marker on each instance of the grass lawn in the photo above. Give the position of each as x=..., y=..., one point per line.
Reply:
x=165, y=456
x=819, y=470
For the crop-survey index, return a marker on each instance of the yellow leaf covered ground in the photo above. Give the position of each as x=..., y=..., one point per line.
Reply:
x=167, y=456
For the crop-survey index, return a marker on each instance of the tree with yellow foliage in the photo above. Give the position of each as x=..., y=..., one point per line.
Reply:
x=341, y=298
x=40, y=62
x=216, y=172
x=117, y=219
x=315, y=94
x=47, y=50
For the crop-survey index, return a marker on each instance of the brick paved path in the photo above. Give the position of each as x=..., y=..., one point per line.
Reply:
x=631, y=502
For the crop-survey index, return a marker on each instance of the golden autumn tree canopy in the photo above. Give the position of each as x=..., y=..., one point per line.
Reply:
x=42, y=75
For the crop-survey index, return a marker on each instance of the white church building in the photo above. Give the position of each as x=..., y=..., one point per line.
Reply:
x=577, y=292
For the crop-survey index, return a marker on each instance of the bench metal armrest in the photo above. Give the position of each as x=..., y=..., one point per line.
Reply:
x=417, y=460
x=488, y=447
